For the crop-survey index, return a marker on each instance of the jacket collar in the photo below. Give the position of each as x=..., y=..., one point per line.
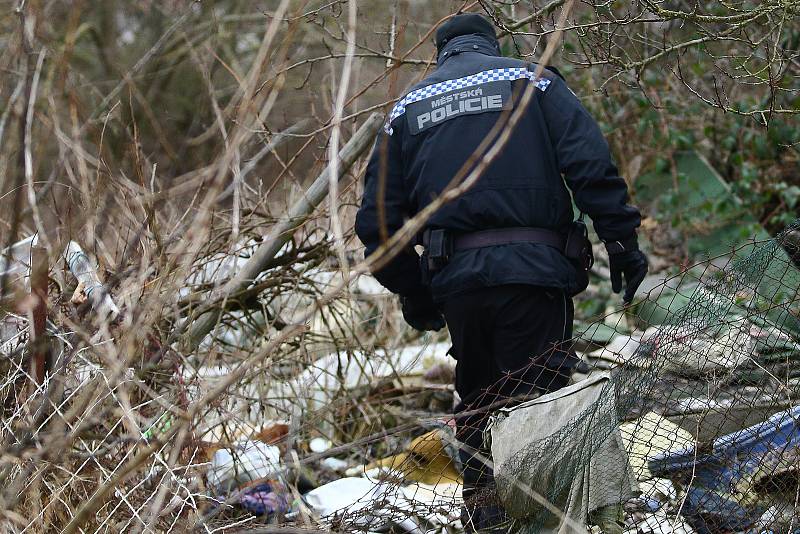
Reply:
x=468, y=43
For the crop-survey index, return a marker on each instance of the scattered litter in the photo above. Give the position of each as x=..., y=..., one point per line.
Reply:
x=13, y=333
x=660, y=523
x=656, y=492
x=15, y=260
x=266, y=498
x=316, y=387
x=246, y=462
x=730, y=484
x=86, y=274
x=355, y=498
x=335, y=464
x=15, y=264
x=272, y=434
x=346, y=494
x=619, y=351
x=596, y=335
x=319, y=445
x=439, y=504
x=678, y=349
x=426, y=459
x=780, y=518
x=648, y=437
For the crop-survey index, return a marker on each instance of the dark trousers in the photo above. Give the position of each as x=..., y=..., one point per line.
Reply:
x=509, y=342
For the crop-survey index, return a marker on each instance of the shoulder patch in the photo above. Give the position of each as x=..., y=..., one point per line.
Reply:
x=481, y=98
x=460, y=85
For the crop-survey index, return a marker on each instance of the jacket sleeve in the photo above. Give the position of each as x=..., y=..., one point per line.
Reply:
x=585, y=160
x=402, y=274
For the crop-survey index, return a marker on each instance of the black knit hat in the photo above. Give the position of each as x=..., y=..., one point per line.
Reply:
x=464, y=24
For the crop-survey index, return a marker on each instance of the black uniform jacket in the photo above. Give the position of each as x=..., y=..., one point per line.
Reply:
x=432, y=132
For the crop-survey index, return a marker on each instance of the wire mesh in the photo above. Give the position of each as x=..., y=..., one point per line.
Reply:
x=681, y=417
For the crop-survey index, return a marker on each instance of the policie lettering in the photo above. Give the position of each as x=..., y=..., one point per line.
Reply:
x=486, y=97
x=470, y=104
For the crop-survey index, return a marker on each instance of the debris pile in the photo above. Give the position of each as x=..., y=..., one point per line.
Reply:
x=701, y=387
x=681, y=418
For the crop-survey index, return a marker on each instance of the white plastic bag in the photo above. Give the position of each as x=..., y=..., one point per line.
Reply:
x=248, y=461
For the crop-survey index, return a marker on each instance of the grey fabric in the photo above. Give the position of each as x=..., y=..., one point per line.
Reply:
x=587, y=471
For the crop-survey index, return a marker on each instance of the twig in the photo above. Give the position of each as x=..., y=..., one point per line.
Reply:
x=281, y=232
x=333, y=148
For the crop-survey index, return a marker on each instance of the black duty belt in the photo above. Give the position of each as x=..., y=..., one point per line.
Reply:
x=440, y=244
x=507, y=236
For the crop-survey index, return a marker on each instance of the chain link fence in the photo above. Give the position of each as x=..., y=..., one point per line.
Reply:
x=681, y=416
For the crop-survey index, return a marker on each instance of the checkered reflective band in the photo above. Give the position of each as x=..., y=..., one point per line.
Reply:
x=447, y=86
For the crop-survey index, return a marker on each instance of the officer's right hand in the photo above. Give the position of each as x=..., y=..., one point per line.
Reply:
x=421, y=312
x=631, y=263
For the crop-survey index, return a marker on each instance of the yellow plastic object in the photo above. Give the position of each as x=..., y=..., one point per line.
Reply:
x=424, y=461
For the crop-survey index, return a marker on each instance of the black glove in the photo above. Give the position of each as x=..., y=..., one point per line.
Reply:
x=421, y=313
x=633, y=264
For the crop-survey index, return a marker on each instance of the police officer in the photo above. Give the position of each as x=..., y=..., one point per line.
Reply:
x=495, y=265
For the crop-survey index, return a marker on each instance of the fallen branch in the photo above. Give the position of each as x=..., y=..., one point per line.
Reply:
x=282, y=231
